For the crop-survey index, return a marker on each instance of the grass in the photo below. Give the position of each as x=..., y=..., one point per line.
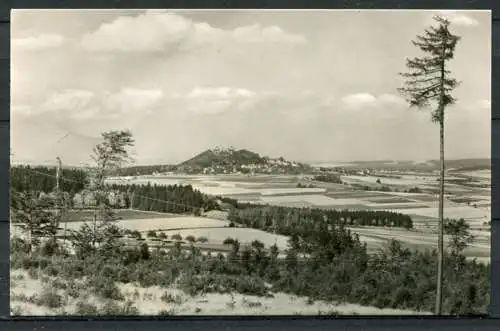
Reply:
x=390, y=199
x=168, y=223
x=79, y=215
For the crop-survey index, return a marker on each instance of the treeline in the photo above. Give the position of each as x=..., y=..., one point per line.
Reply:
x=175, y=199
x=287, y=221
x=328, y=178
x=43, y=179
x=144, y=170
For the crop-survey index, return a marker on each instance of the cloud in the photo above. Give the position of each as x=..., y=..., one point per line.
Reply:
x=158, y=30
x=212, y=100
x=219, y=92
x=38, y=43
x=362, y=100
x=457, y=18
x=73, y=104
x=359, y=99
x=129, y=100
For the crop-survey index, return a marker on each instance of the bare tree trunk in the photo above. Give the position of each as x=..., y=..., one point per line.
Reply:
x=439, y=290
x=439, y=287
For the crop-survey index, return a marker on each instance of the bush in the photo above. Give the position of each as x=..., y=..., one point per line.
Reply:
x=151, y=234
x=105, y=288
x=50, y=248
x=191, y=239
x=169, y=298
x=49, y=298
x=86, y=309
x=202, y=239
x=16, y=311
x=177, y=237
x=164, y=312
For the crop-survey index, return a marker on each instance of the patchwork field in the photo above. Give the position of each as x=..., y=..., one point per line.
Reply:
x=283, y=191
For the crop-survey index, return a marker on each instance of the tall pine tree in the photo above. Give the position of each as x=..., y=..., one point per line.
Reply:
x=429, y=84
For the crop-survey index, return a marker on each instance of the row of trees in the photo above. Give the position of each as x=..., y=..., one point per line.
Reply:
x=175, y=199
x=286, y=220
x=328, y=178
x=26, y=178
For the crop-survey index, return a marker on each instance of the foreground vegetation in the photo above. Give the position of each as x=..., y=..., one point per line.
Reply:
x=338, y=269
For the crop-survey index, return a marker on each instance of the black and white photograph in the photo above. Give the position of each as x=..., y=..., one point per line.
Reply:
x=250, y=162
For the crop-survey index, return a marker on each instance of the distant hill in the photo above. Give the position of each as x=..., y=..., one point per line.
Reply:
x=429, y=165
x=230, y=160
x=224, y=157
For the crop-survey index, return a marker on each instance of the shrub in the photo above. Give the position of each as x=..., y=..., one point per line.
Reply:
x=169, y=298
x=49, y=298
x=191, y=239
x=86, y=309
x=151, y=234
x=202, y=239
x=177, y=237
x=136, y=234
x=16, y=311
x=128, y=309
x=110, y=308
x=50, y=248
x=105, y=288
x=164, y=312
x=162, y=235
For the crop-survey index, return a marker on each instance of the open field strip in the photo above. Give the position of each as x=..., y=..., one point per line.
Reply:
x=388, y=199
x=148, y=302
x=275, y=191
x=419, y=238
x=243, y=235
x=147, y=224
x=315, y=199
x=483, y=174
x=465, y=212
x=355, y=194
x=397, y=205
x=78, y=215
x=386, y=181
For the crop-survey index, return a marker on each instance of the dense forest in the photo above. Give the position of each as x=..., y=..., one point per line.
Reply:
x=328, y=178
x=287, y=220
x=175, y=199
x=43, y=179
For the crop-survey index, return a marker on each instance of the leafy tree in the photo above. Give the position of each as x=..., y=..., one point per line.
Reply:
x=190, y=239
x=176, y=237
x=108, y=156
x=429, y=82
x=202, y=239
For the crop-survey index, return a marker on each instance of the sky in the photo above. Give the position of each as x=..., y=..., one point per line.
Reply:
x=311, y=86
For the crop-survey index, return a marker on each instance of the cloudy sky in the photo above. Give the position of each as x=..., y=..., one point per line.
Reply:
x=307, y=85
